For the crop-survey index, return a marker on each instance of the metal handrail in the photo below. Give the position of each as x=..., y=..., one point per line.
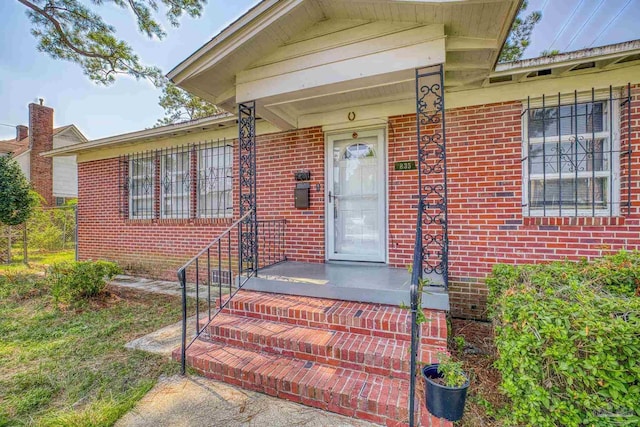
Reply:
x=416, y=276
x=216, y=245
x=202, y=252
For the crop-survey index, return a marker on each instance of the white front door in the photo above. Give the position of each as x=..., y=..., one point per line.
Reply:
x=356, y=225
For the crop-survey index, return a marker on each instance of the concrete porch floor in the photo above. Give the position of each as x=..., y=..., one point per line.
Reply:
x=362, y=282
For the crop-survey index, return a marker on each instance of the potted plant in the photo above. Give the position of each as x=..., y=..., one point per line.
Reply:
x=446, y=387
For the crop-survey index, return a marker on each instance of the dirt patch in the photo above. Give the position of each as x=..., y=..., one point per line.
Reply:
x=475, y=348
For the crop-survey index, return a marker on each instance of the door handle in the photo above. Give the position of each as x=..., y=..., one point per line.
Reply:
x=330, y=196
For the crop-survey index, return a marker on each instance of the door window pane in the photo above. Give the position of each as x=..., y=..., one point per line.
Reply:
x=356, y=204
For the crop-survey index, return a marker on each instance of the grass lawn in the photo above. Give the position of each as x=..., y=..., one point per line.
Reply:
x=38, y=260
x=69, y=367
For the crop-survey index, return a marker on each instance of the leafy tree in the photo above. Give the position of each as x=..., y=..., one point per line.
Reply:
x=180, y=105
x=16, y=200
x=520, y=35
x=70, y=30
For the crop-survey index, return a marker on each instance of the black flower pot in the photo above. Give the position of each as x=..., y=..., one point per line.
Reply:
x=443, y=402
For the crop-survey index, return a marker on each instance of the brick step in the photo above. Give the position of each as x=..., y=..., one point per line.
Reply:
x=363, y=395
x=370, y=354
x=344, y=316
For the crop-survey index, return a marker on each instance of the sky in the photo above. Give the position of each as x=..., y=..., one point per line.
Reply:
x=130, y=105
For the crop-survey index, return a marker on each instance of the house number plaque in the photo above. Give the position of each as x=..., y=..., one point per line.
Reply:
x=405, y=166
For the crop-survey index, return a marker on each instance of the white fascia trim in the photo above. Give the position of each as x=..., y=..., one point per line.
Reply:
x=75, y=131
x=618, y=50
x=24, y=153
x=232, y=37
x=152, y=133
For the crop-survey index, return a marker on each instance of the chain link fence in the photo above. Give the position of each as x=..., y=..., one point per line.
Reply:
x=48, y=230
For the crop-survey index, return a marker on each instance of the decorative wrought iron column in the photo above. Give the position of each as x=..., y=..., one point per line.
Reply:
x=248, y=244
x=432, y=170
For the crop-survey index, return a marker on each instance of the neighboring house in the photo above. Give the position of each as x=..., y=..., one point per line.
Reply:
x=334, y=107
x=55, y=179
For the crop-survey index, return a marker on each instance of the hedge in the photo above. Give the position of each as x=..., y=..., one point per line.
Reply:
x=568, y=341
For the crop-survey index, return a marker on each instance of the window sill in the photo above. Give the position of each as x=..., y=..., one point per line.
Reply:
x=181, y=221
x=575, y=221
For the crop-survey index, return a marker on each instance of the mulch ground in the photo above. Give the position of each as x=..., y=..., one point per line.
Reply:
x=478, y=355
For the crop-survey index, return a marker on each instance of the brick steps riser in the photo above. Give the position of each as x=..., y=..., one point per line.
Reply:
x=355, y=394
x=344, y=357
x=385, y=325
x=350, y=393
x=377, y=356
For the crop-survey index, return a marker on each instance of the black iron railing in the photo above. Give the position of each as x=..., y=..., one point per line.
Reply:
x=216, y=273
x=214, y=269
x=416, y=277
x=271, y=248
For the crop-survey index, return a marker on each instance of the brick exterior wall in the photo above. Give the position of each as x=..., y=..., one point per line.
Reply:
x=40, y=141
x=486, y=222
x=159, y=247
x=278, y=157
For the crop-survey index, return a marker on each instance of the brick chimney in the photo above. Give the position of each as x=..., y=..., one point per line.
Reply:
x=21, y=132
x=40, y=141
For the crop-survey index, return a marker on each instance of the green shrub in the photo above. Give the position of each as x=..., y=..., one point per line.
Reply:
x=568, y=341
x=76, y=281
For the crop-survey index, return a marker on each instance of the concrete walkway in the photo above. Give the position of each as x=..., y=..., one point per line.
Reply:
x=196, y=401
x=151, y=285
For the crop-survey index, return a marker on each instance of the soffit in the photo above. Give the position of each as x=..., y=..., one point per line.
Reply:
x=475, y=31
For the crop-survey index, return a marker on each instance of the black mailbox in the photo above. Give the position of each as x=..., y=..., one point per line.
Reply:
x=302, y=195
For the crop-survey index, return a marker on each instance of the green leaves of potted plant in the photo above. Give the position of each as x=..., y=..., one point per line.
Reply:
x=446, y=387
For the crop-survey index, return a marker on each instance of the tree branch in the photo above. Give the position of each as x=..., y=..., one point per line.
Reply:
x=60, y=31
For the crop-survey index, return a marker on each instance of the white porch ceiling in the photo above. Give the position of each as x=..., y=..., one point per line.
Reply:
x=287, y=54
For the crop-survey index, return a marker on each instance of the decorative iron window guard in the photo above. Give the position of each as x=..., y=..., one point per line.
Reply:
x=577, y=158
x=180, y=182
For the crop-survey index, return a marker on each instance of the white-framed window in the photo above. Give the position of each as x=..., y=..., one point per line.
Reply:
x=141, y=187
x=215, y=181
x=175, y=185
x=180, y=182
x=571, y=159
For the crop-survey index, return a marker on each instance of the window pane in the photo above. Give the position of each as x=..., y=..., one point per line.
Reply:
x=563, y=192
x=215, y=181
x=141, y=172
x=175, y=186
x=567, y=120
x=585, y=155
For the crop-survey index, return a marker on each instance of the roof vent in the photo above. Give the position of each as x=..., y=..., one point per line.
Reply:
x=629, y=58
x=538, y=73
x=500, y=79
x=584, y=66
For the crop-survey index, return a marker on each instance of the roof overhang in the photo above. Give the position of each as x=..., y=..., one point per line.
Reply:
x=299, y=57
x=208, y=123
x=578, y=62
x=72, y=129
